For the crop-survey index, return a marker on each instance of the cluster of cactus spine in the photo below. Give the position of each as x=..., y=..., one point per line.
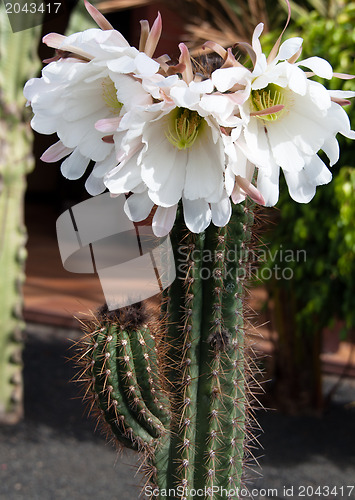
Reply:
x=17, y=64
x=176, y=390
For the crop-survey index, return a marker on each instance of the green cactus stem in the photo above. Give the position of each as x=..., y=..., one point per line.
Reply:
x=180, y=396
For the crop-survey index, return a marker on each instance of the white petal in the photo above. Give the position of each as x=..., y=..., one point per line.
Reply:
x=255, y=40
x=204, y=170
x=197, y=215
x=171, y=191
x=317, y=172
x=145, y=65
x=331, y=149
x=204, y=87
x=289, y=48
x=300, y=189
x=284, y=150
x=221, y=212
x=138, y=206
x=225, y=78
x=319, y=95
x=319, y=66
x=94, y=185
x=163, y=220
x=268, y=185
x=125, y=177
x=75, y=165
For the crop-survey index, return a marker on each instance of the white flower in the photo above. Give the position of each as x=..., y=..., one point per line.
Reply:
x=286, y=120
x=181, y=157
x=78, y=89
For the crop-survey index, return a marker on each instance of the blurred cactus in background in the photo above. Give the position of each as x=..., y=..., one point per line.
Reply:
x=18, y=61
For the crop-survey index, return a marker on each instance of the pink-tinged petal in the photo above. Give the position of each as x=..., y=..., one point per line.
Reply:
x=144, y=34
x=319, y=66
x=108, y=125
x=162, y=61
x=163, y=220
x=186, y=60
x=237, y=196
x=215, y=47
x=275, y=48
x=249, y=49
x=197, y=215
x=295, y=56
x=56, y=152
x=230, y=60
x=138, y=206
x=341, y=102
x=268, y=111
x=99, y=19
x=250, y=190
x=153, y=37
x=343, y=76
x=54, y=40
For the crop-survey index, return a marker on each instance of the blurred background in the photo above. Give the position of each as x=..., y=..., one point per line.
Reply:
x=301, y=296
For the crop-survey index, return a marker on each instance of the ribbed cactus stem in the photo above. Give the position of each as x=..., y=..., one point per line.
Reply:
x=179, y=396
x=206, y=335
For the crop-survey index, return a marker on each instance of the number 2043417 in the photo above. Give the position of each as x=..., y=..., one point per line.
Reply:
x=32, y=8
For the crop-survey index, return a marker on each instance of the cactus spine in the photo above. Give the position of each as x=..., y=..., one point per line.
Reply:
x=180, y=397
x=16, y=66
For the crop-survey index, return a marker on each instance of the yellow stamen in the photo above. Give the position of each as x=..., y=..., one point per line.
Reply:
x=270, y=96
x=109, y=95
x=185, y=127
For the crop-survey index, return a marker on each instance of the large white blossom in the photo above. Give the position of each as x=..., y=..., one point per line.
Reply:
x=182, y=154
x=78, y=89
x=286, y=120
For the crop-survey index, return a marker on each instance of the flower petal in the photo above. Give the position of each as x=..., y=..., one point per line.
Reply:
x=197, y=215
x=319, y=66
x=221, y=212
x=56, y=152
x=75, y=165
x=138, y=206
x=163, y=220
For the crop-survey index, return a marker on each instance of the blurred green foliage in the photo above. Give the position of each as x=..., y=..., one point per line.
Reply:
x=322, y=288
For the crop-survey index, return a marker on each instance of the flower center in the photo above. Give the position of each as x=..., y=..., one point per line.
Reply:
x=184, y=128
x=270, y=96
x=109, y=95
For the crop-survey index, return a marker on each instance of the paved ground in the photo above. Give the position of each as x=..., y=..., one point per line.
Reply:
x=55, y=454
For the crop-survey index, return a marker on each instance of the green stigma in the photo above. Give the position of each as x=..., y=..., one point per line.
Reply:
x=184, y=128
x=272, y=95
x=109, y=95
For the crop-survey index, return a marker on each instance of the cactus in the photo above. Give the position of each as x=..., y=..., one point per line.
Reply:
x=176, y=390
x=16, y=65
